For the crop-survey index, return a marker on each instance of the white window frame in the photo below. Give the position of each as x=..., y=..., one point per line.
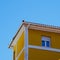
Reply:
x=45, y=38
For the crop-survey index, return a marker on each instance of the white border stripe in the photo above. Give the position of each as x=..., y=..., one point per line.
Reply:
x=26, y=43
x=44, y=48
x=19, y=54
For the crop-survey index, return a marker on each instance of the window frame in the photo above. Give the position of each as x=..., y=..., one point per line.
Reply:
x=45, y=39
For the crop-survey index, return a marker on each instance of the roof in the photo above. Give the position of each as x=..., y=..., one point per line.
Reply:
x=37, y=26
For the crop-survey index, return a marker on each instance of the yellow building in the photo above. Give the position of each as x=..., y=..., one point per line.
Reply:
x=35, y=41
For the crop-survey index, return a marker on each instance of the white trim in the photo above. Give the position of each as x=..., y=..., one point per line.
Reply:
x=26, y=43
x=44, y=48
x=44, y=38
x=18, y=36
x=19, y=54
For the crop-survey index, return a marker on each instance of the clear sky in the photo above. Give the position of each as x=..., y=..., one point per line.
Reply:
x=12, y=12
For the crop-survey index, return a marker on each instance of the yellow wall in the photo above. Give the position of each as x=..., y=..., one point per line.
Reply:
x=14, y=50
x=19, y=45
x=36, y=54
x=34, y=38
x=21, y=57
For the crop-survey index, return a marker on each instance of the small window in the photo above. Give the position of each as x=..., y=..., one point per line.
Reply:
x=45, y=41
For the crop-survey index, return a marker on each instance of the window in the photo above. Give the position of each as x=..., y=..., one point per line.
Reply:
x=45, y=41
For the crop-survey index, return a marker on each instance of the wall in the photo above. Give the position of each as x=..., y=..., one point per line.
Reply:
x=35, y=36
x=35, y=54
x=19, y=46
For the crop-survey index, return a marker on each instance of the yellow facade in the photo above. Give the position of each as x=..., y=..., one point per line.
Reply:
x=21, y=57
x=40, y=54
x=20, y=43
x=36, y=54
x=27, y=43
x=19, y=46
x=36, y=35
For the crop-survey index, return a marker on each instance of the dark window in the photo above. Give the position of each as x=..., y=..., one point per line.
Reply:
x=43, y=43
x=47, y=44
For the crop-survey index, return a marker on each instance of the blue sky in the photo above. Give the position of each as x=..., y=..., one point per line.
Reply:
x=12, y=12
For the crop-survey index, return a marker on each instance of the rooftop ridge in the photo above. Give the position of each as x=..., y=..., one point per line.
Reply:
x=45, y=25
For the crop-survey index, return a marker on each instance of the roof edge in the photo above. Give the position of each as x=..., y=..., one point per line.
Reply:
x=31, y=23
x=16, y=34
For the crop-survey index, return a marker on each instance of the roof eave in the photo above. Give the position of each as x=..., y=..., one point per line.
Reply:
x=33, y=24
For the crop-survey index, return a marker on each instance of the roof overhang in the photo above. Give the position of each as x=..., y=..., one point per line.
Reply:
x=34, y=26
